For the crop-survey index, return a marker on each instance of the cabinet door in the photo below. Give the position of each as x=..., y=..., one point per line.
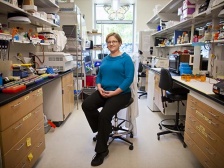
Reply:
x=150, y=91
x=68, y=94
x=158, y=95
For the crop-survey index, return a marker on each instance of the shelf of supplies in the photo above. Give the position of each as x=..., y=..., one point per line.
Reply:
x=94, y=34
x=218, y=41
x=97, y=49
x=196, y=20
x=179, y=26
x=176, y=45
x=44, y=3
x=7, y=7
x=4, y=36
x=183, y=45
x=170, y=8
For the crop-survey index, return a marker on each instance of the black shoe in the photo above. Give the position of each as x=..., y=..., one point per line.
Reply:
x=98, y=158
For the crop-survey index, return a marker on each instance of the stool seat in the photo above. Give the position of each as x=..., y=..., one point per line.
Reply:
x=129, y=103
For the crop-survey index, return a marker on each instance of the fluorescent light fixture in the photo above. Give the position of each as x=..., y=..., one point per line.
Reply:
x=115, y=4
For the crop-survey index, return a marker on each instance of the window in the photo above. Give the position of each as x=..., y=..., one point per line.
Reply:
x=121, y=21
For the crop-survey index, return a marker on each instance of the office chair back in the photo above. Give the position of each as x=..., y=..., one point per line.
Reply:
x=166, y=81
x=140, y=67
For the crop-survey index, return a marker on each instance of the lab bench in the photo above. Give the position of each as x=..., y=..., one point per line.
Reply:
x=204, y=124
x=22, y=118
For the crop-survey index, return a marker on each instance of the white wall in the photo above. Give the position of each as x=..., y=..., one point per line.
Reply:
x=144, y=11
x=86, y=7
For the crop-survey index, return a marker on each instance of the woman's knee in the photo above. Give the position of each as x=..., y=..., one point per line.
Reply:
x=85, y=106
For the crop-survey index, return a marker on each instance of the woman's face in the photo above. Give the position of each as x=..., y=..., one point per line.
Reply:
x=112, y=44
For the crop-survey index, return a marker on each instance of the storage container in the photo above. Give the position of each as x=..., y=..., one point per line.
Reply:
x=90, y=80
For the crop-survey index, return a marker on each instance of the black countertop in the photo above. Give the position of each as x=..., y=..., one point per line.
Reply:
x=8, y=97
x=214, y=97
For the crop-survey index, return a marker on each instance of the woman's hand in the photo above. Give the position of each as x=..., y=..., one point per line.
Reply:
x=106, y=94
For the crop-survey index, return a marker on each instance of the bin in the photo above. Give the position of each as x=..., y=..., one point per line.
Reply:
x=90, y=80
x=87, y=91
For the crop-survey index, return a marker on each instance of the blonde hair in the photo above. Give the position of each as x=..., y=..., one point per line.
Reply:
x=117, y=36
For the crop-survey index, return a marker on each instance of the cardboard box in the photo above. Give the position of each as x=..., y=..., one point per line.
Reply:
x=187, y=13
x=187, y=4
x=180, y=11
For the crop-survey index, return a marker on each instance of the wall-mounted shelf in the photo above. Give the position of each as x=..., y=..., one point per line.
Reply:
x=4, y=36
x=47, y=6
x=176, y=45
x=197, y=20
x=168, y=12
x=94, y=34
x=7, y=7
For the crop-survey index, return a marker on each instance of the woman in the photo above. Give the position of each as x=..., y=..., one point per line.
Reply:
x=113, y=81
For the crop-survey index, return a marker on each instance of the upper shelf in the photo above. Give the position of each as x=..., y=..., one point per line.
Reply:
x=169, y=10
x=47, y=6
x=7, y=7
x=197, y=20
x=94, y=34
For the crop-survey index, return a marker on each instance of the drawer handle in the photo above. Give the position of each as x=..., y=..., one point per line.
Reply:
x=209, y=151
x=24, y=165
x=38, y=128
x=40, y=144
x=209, y=112
x=213, y=123
x=206, y=163
x=20, y=147
x=191, y=119
x=193, y=102
x=18, y=126
x=18, y=104
x=211, y=137
x=193, y=108
x=36, y=111
x=190, y=131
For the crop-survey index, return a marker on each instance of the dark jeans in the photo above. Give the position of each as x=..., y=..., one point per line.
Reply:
x=101, y=121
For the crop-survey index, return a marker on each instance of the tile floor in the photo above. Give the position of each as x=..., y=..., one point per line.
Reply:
x=71, y=146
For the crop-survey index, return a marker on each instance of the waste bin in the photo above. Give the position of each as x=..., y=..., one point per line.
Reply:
x=87, y=91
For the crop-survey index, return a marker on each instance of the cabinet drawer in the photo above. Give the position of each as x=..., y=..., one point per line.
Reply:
x=208, y=111
x=14, y=133
x=213, y=124
x=32, y=156
x=15, y=110
x=205, y=161
x=24, y=145
x=210, y=137
x=67, y=80
x=209, y=116
x=208, y=150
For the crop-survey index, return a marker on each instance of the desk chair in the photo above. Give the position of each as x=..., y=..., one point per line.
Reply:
x=171, y=95
x=118, y=131
x=141, y=74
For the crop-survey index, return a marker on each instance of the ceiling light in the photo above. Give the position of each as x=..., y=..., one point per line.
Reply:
x=115, y=4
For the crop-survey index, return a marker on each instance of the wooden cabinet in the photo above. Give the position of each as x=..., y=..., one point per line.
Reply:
x=59, y=98
x=21, y=129
x=205, y=130
x=68, y=94
x=151, y=91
